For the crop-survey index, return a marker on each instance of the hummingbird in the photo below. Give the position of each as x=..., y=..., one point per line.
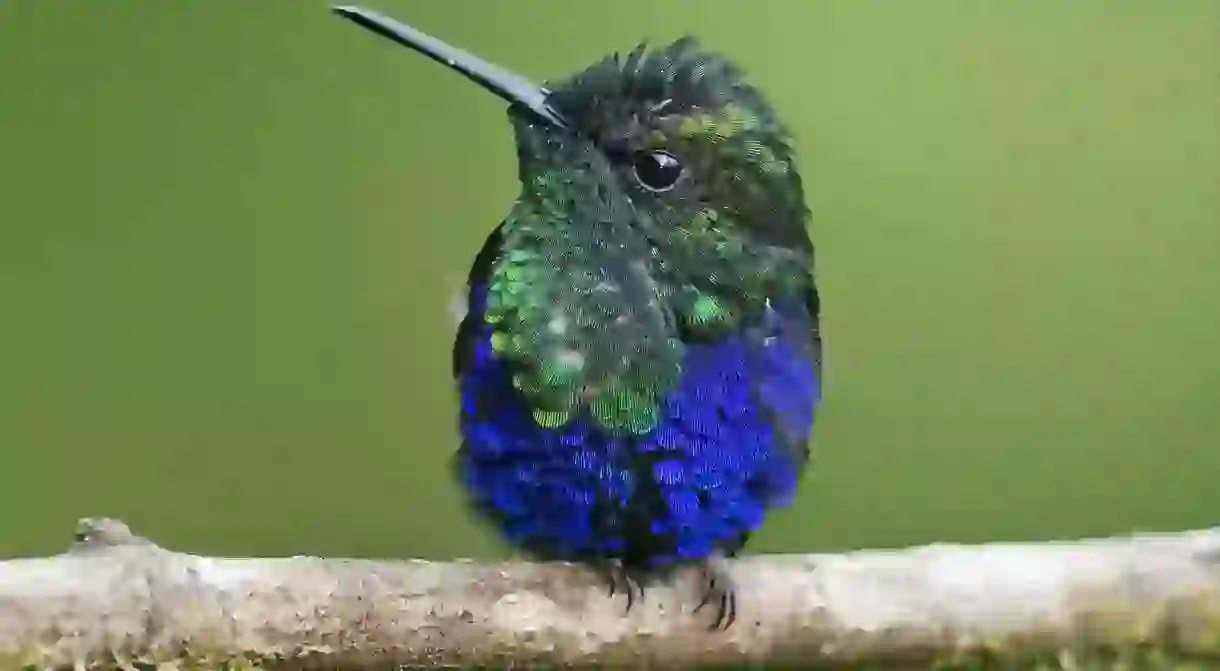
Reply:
x=640, y=358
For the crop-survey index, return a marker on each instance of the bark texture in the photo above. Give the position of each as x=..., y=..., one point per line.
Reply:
x=117, y=600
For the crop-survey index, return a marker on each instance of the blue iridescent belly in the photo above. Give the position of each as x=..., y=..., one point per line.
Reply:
x=730, y=445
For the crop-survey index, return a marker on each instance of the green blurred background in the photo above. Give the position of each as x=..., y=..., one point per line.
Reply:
x=230, y=231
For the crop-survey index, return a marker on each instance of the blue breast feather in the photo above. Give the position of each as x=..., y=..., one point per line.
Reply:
x=730, y=445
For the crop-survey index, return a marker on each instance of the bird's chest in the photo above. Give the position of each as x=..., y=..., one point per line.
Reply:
x=731, y=396
x=728, y=445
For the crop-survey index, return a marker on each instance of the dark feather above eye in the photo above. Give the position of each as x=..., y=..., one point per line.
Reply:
x=734, y=156
x=682, y=75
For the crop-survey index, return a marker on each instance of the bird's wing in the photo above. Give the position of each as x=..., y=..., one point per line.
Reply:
x=786, y=370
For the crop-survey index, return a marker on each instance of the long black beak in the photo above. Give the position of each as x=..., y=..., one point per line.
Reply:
x=512, y=87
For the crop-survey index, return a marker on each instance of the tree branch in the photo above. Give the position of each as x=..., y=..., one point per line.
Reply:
x=115, y=599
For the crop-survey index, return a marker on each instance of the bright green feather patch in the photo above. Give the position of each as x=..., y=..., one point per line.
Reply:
x=734, y=278
x=582, y=321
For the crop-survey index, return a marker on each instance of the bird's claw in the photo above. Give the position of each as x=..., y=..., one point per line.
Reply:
x=719, y=589
x=622, y=581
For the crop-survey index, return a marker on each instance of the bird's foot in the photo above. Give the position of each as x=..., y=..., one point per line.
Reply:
x=720, y=591
x=621, y=581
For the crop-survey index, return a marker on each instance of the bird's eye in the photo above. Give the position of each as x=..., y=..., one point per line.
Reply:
x=656, y=170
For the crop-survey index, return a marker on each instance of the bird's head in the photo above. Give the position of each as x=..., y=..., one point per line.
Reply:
x=660, y=204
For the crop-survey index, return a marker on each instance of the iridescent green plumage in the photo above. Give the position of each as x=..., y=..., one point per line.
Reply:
x=579, y=314
x=594, y=314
